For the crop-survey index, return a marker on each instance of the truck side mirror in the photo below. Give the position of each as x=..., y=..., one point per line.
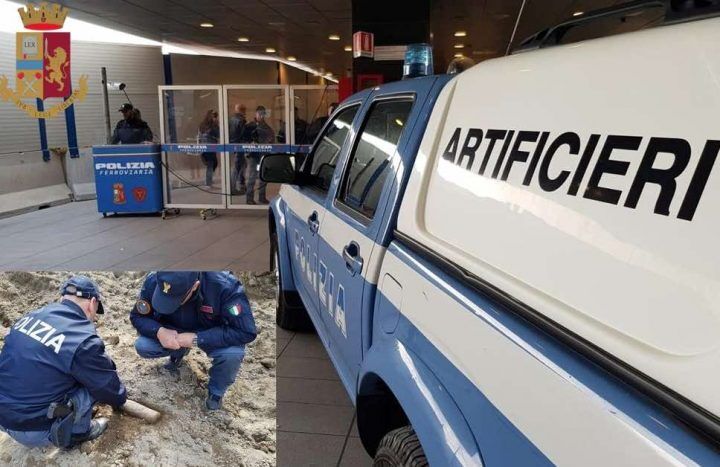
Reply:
x=281, y=168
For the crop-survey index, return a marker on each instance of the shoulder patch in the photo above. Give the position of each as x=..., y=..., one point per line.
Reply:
x=143, y=307
x=235, y=310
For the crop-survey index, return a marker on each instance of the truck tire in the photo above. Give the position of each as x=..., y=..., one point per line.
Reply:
x=400, y=448
x=287, y=316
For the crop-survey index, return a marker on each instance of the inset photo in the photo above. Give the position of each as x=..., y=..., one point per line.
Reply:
x=137, y=368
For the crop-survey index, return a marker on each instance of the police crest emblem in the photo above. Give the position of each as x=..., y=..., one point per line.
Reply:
x=143, y=307
x=43, y=63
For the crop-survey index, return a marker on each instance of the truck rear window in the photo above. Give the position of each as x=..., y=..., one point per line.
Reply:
x=370, y=162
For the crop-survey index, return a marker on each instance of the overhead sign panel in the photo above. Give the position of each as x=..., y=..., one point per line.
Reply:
x=363, y=44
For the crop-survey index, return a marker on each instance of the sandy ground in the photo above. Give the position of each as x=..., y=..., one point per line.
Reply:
x=243, y=434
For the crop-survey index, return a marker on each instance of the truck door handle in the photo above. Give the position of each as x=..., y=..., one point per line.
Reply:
x=353, y=260
x=313, y=222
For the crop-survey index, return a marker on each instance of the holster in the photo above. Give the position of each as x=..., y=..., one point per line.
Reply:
x=63, y=414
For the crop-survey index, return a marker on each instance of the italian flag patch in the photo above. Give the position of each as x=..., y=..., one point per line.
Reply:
x=235, y=310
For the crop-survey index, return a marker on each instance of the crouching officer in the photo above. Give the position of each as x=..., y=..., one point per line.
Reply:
x=177, y=311
x=54, y=368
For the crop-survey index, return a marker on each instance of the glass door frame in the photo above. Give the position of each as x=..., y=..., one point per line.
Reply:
x=224, y=155
x=305, y=87
x=224, y=185
x=288, y=114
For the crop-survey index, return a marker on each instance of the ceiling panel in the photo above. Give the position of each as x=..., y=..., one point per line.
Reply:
x=292, y=27
x=301, y=27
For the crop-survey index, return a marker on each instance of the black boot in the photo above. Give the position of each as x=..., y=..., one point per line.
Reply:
x=97, y=427
x=173, y=364
x=213, y=402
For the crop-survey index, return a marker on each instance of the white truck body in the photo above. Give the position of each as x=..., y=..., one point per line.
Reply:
x=539, y=284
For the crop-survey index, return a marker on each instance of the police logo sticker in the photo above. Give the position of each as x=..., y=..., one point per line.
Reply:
x=143, y=307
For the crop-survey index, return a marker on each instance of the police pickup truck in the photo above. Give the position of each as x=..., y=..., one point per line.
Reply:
x=518, y=265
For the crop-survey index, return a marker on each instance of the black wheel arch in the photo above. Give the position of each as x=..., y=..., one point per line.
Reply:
x=378, y=412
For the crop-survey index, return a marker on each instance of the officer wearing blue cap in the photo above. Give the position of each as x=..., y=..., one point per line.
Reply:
x=53, y=369
x=179, y=310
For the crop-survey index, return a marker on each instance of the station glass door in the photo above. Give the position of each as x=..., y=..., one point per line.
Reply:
x=214, y=137
x=257, y=124
x=192, y=133
x=310, y=111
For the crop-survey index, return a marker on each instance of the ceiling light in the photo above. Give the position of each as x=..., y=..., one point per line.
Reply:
x=270, y=50
x=459, y=46
x=334, y=37
x=459, y=56
x=348, y=48
x=291, y=58
x=243, y=39
x=207, y=25
x=460, y=33
x=578, y=13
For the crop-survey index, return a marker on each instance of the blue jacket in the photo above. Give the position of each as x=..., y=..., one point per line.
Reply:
x=236, y=128
x=131, y=132
x=219, y=314
x=49, y=353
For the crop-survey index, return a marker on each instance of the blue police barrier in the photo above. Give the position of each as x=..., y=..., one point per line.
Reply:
x=244, y=148
x=128, y=178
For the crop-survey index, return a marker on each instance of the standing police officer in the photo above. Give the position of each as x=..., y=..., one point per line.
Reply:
x=132, y=129
x=54, y=368
x=258, y=132
x=177, y=311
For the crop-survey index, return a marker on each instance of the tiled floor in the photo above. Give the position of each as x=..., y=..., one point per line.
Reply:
x=316, y=421
x=75, y=236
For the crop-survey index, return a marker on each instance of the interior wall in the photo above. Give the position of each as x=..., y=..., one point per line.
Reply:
x=312, y=79
x=292, y=75
x=205, y=70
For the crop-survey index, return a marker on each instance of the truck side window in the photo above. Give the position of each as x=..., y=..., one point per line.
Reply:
x=324, y=158
x=371, y=160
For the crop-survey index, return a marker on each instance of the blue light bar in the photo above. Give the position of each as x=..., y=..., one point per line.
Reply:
x=418, y=61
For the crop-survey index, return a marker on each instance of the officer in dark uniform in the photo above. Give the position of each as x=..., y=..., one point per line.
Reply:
x=54, y=368
x=132, y=129
x=177, y=311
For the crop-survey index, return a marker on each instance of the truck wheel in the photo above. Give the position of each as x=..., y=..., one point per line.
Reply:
x=287, y=316
x=400, y=448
